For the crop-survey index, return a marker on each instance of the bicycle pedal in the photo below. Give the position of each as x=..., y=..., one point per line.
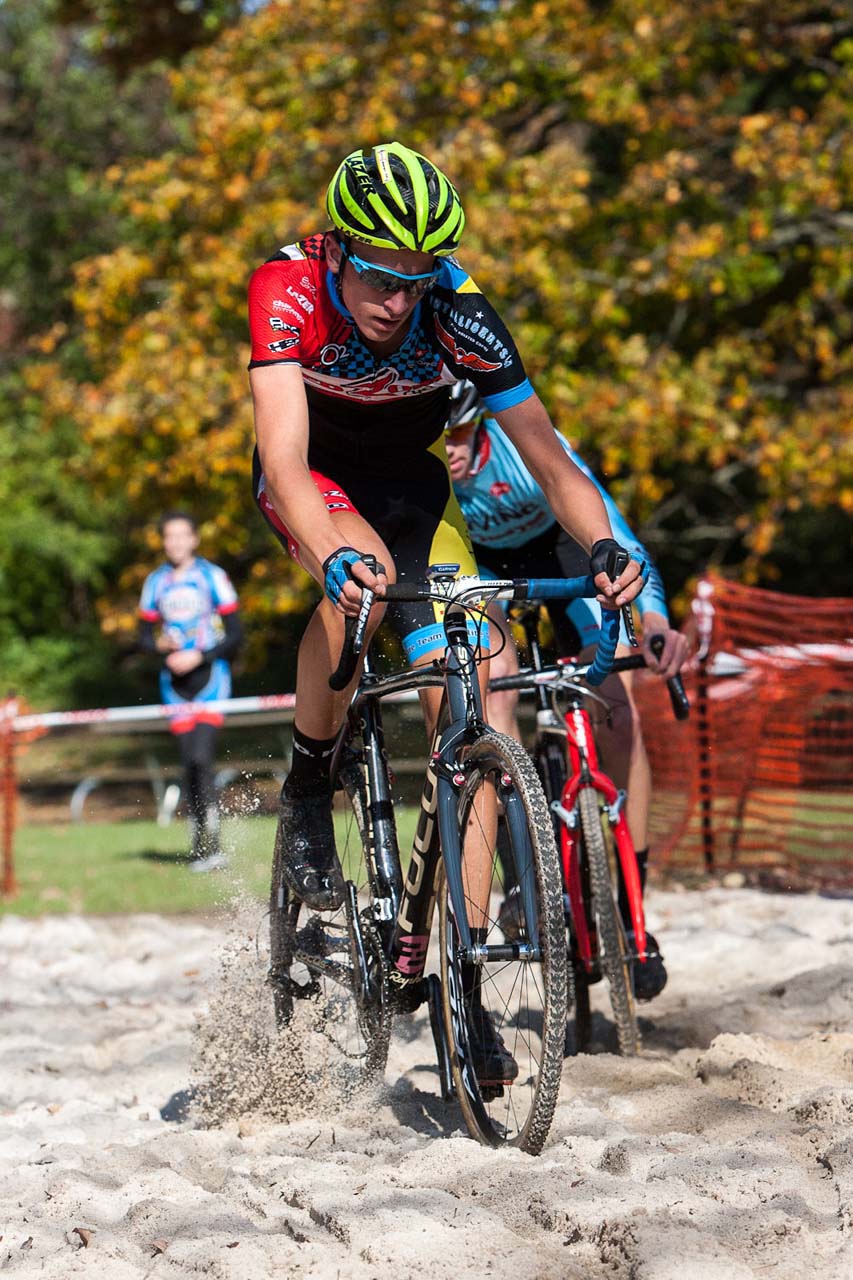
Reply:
x=490, y=1092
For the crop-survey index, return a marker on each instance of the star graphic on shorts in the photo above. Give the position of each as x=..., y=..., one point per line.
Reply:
x=479, y=315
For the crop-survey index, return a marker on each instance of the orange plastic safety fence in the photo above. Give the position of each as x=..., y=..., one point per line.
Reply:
x=762, y=773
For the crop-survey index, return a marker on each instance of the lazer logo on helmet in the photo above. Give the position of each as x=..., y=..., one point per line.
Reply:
x=358, y=171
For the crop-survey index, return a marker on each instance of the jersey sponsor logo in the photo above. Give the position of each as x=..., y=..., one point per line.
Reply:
x=332, y=353
x=384, y=385
x=474, y=327
x=522, y=516
x=182, y=604
x=499, y=488
x=279, y=325
x=279, y=305
x=309, y=285
x=284, y=344
x=467, y=359
x=304, y=302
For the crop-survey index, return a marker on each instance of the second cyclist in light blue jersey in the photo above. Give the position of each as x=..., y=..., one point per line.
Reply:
x=514, y=535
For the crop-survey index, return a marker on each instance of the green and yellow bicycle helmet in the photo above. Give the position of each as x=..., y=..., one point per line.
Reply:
x=395, y=198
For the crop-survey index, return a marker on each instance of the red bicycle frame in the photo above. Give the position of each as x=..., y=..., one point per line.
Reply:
x=584, y=771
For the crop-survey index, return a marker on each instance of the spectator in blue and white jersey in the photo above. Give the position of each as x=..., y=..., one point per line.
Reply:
x=188, y=615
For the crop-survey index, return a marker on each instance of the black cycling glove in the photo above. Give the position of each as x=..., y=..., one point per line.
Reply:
x=608, y=557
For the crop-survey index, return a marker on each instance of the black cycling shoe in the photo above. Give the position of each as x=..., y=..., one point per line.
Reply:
x=309, y=864
x=492, y=1061
x=649, y=977
x=511, y=916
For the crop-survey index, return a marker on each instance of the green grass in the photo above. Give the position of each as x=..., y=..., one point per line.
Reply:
x=116, y=867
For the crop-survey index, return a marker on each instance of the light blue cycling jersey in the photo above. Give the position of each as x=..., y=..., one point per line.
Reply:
x=504, y=507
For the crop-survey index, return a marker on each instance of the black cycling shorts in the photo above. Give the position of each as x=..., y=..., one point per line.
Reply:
x=552, y=554
x=418, y=519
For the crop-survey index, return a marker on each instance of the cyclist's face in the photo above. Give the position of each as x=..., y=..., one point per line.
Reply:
x=460, y=450
x=381, y=317
x=179, y=542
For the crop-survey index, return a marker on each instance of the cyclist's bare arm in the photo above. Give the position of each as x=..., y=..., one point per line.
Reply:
x=573, y=498
x=281, y=427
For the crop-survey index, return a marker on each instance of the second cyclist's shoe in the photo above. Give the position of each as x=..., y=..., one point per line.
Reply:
x=492, y=1061
x=649, y=977
x=511, y=916
x=309, y=863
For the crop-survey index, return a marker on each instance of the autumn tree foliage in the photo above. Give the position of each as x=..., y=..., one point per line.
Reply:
x=126, y=34
x=63, y=121
x=659, y=201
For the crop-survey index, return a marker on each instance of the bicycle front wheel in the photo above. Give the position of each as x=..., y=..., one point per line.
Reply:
x=331, y=964
x=505, y=1017
x=550, y=761
x=614, y=953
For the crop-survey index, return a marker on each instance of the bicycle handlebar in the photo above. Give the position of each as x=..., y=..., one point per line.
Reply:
x=468, y=590
x=675, y=685
x=634, y=662
x=354, y=629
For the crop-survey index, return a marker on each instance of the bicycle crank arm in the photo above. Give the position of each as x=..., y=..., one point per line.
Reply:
x=333, y=969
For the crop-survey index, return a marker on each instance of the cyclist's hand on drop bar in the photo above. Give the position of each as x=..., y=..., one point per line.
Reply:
x=668, y=660
x=344, y=576
x=619, y=579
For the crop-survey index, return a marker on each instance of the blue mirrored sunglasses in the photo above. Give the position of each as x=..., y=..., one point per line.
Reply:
x=387, y=281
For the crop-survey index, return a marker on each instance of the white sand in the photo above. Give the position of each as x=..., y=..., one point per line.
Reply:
x=725, y=1152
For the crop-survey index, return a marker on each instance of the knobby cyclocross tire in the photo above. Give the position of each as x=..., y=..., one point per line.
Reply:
x=313, y=954
x=526, y=1000
x=614, y=957
x=550, y=760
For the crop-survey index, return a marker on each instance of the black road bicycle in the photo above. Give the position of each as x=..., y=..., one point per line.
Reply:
x=367, y=960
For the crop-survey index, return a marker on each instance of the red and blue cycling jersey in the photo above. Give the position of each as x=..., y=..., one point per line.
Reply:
x=354, y=397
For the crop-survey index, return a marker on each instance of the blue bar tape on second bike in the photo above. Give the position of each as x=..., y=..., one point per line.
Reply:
x=607, y=642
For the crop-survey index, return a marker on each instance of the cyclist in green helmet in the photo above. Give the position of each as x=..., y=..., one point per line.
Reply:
x=358, y=333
